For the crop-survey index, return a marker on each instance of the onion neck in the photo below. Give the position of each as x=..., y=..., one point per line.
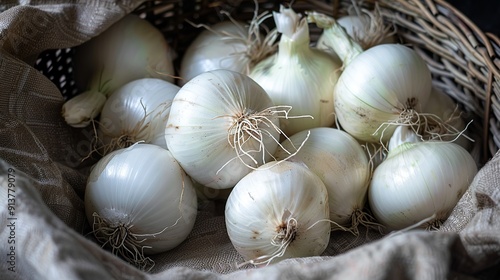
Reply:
x=403, y=134
x=290, y=48
x=295, y=33
x=342, y=44
x=80, y=110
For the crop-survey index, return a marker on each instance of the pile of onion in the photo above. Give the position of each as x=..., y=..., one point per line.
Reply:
x=298, y=140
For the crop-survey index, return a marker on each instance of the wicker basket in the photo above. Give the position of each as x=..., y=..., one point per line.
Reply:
x=464, y=60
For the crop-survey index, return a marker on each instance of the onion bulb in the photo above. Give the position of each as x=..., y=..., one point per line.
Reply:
x=419, y=181
x=340, y=162
x=137, y=111
x=278, y=211
x=379, y=88
x=222, y=125
x=230, y=45
x=139, y=202
x=298, y=75
x=369, y=102
x=130, y=49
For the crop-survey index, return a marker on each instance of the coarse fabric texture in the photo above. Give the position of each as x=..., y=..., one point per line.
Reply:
x=45, y=235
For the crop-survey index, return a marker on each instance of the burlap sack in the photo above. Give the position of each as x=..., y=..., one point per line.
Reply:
x=44, y=233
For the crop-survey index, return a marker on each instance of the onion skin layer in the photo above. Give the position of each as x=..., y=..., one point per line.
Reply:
x=376, y=87
x=339, y=161
x=262, y=202
x=201, y=127
x=143, y=186
x=419, y=180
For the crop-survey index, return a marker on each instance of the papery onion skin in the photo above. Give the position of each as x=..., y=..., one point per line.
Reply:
x=418, y=180
x=256, y=207
x=376, y=86
x=341, y=163
x=143, y=186
x=137, y=111
x=199, y=128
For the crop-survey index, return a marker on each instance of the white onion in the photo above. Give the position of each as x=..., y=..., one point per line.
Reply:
x=387, y=84
x=210, y=51
x=379, y=88
x=130, y=49
x=227, y=45
x=137, y=111
x=278, y=211
x=420, y=181
x=340, y=162
x=140, y=199
x=298, y=75
x=222, y=125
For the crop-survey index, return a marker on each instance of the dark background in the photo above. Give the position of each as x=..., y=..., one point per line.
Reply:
x=484, y=13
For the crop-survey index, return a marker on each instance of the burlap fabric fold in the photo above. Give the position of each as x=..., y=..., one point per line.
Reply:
x=43, y=230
